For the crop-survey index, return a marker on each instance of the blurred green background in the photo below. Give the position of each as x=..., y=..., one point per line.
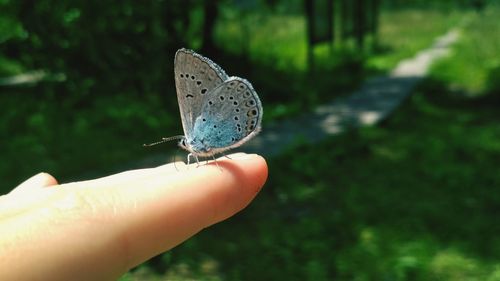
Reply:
x=83, y=84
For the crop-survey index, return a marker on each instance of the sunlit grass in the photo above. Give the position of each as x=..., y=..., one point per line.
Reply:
x=403, y=33
x=276, y=45
x=277, y=38
x=409, y=200
x=474, y=65
x=282, y=38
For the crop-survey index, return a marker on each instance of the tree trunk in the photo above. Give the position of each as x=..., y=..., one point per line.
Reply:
x=359, y=22
x=210, y=17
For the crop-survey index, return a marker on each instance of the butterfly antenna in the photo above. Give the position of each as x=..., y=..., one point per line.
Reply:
x=163, y=140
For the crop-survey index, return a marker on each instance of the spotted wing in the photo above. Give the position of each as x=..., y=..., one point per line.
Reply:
x=232, y=115
x=195, y=77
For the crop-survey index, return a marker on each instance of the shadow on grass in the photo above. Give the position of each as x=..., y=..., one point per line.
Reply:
x=70, y=131
x=416, y=198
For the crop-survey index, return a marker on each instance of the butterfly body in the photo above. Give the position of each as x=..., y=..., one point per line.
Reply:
x=218, y=112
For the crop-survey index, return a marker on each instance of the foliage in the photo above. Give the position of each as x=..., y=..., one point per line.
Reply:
x=413, y=199
x=478, y=69
x=46, y=135
x=437, y=4
x=113, y=59
x=97, y=120
x=129, y=44
x=284, y=62
x=410, y=200
x=402, y=34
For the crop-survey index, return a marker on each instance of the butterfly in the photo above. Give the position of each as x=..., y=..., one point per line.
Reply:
x=218, y=112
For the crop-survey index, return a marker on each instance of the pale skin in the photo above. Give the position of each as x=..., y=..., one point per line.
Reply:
x=99, y=229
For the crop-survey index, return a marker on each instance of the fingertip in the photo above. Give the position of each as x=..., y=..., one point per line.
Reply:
x=46, y=179
x=262, y=170
x=168, y=208
x=255, y=168
x=233, y=188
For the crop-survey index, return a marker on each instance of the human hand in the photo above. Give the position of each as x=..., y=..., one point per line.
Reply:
x=99, y=229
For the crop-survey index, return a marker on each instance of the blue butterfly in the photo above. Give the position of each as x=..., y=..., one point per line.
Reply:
x=218, y=112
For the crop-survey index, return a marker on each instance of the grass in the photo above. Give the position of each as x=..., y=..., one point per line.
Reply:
x=45, y=130
x=99, y=138
x=280, y=71
x=414, y=198
x=404, y=33
x=252, y=35
x=478, y=65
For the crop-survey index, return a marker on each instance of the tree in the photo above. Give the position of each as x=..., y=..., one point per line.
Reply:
x=210, y=16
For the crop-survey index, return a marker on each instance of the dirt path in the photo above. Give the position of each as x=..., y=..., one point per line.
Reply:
x=373, y=102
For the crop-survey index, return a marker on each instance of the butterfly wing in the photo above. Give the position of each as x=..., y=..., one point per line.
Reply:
x=195, y=77
x=231, y=115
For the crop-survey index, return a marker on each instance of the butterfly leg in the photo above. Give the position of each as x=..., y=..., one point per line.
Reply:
x=195, y=158
x=216, y=163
